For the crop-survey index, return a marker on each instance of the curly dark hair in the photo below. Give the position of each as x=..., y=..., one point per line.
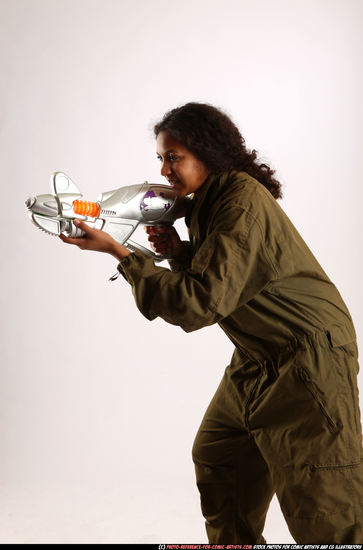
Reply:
x=215, y=140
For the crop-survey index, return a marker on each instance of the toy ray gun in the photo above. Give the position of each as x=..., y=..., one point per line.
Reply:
x=118, y=212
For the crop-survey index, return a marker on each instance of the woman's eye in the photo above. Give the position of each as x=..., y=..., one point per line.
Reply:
x=170, y=157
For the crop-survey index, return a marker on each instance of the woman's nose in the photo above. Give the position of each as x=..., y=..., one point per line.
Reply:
x=165, y=169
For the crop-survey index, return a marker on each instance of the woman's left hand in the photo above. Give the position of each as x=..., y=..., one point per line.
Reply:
x=96, y=240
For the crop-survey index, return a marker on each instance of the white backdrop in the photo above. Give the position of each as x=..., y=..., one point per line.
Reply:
x=99, y=407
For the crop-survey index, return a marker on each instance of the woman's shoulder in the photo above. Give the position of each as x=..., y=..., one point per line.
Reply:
x=241, y=193
x=240, y=189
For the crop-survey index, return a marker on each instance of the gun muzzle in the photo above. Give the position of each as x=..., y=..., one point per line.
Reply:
x=30, y=202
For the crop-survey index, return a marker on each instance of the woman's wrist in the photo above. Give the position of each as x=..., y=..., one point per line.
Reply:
x=119, y=251
x=181, y=250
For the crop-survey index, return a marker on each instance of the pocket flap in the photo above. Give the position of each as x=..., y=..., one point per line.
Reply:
x=339, y=335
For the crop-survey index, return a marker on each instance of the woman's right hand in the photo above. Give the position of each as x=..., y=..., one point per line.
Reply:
x=164, y=239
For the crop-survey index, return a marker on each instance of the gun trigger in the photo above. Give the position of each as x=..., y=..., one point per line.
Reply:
x=115, y=276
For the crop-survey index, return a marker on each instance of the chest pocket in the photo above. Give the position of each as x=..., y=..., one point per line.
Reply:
x=343, y=337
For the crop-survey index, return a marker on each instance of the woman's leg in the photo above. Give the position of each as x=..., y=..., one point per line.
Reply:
x=307, y=427
x=232, y=476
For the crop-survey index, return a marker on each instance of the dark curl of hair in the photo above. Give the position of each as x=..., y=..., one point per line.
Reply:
x=215, y=140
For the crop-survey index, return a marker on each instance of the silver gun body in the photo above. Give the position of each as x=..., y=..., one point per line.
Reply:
x=119, y=212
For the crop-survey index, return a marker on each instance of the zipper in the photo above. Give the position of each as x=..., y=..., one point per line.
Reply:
x=316, y=392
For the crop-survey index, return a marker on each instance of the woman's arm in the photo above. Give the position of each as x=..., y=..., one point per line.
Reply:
x=163, y=239
x=97, y=240
x=229, y=269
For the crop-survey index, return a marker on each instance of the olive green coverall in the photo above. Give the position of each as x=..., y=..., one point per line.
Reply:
x=285, y=418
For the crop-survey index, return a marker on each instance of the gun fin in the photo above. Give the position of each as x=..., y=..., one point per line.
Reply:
x=60, y=183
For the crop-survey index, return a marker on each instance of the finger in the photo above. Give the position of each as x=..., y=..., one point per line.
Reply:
x=160, y=249
x=159, y=238
x=71, y=240
x=153, y=230
x=164, y=229
x=85, y=227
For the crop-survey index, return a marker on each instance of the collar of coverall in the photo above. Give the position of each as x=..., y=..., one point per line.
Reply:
x=214, y=182
x=211, y=187
x=202, y=191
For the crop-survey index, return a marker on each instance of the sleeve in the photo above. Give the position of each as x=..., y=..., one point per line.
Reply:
x=229, y=269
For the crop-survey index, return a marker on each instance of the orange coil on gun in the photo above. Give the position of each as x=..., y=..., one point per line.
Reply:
x=86, y=208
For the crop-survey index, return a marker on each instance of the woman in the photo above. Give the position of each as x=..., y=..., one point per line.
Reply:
x=285, y=418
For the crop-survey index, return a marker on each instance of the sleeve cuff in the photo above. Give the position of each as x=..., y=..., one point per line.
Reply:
x=124, y=264
x=135, y=266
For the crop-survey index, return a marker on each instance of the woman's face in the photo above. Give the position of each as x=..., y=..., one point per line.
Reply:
x=181, y=168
